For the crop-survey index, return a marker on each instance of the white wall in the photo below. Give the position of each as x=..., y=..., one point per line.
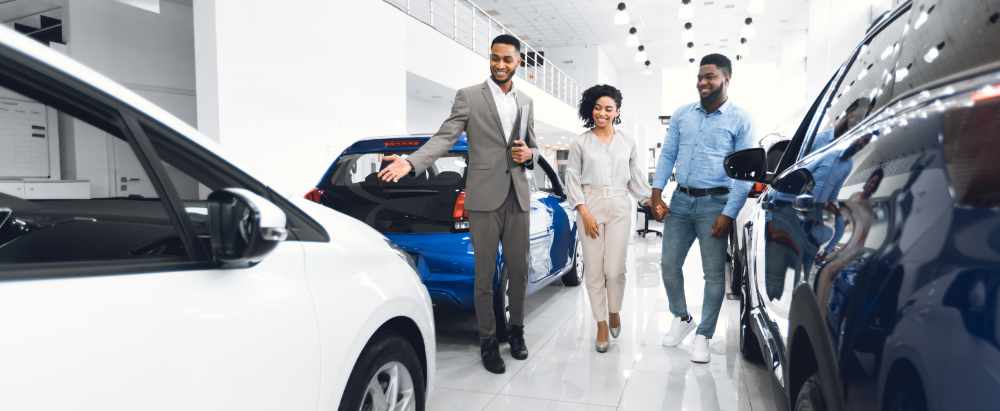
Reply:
x=642, y=104
x=431, y=55
x=299, y=89
x=291, y=87
x=151, y=53
x=425, y=115
x=589, y=65
x=607, y=72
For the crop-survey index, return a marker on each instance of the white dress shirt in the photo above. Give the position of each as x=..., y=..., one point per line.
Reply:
x=506, y=106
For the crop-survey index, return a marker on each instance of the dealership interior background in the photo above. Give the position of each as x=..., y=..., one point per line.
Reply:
x=286, y=86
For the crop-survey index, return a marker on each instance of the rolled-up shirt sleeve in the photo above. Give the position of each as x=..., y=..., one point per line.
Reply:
x=574, y=172
x=637, y=182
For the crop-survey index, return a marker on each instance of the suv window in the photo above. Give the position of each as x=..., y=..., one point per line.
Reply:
x=363, y=168
x=539, y=180
x=98, y=205
x=868, y=82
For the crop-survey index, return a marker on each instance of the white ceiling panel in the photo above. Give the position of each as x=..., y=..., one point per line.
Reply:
x=717, y=26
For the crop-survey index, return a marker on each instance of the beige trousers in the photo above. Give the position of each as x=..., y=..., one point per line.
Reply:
x=604, y=256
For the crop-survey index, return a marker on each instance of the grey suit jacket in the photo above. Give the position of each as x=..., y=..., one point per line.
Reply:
x=491, y=171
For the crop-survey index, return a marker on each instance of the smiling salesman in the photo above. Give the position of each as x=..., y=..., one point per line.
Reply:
x=499, y=122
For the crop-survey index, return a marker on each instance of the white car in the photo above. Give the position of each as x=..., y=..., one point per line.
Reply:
x=204, y=291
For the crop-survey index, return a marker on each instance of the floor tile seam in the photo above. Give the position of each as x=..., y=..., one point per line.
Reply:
x=490, y=402
x=531, y=358
x=529, y=397
x=471, y=391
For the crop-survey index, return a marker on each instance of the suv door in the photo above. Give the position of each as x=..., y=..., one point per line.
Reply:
x=115, y=303
x=780, y=247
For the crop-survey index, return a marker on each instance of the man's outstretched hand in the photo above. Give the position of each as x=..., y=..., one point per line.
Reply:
x=396, y=170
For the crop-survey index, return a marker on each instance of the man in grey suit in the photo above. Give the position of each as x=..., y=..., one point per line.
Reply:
x=499, y=122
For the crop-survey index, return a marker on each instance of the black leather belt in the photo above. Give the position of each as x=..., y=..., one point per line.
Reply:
x=701, y=192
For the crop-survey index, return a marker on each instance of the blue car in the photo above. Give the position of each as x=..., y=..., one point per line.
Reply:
x=424, y=214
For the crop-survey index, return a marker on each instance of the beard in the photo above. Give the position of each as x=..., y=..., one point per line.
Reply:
x=712, y=97
x=509, y=76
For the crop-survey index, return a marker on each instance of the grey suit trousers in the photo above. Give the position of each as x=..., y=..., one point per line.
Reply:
x=507, y=225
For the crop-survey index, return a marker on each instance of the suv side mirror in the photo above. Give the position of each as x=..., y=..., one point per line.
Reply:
x=245, y=227
x=799, y=181
x=747, y=165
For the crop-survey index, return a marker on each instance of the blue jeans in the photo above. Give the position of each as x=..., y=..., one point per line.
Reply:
x=690, y=218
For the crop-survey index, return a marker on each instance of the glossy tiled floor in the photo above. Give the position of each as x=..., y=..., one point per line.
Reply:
x=564, y=372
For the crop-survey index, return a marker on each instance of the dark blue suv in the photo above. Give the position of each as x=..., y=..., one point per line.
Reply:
x=870, y=268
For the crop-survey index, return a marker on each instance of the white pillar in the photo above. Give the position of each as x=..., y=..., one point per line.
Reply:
x=288, y=88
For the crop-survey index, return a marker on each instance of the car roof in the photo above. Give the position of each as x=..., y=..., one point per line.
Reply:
x=74, y=69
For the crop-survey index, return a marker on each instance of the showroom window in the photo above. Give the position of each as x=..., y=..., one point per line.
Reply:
x=73, y=187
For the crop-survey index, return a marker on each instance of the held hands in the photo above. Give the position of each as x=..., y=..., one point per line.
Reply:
x=395, y=171
x=660, y=209
x=520, y=152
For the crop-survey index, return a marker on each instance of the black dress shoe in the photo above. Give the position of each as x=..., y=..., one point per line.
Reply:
x=518, y=349
x=489, y=350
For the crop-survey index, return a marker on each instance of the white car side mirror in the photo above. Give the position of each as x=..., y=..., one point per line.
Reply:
x=245, y=227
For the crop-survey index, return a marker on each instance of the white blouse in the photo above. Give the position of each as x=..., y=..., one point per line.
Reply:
x=613, y=165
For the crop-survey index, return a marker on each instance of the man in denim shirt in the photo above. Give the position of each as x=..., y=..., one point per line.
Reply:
x=706, y=200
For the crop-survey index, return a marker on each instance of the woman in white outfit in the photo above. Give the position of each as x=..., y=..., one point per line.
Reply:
x=601, y=172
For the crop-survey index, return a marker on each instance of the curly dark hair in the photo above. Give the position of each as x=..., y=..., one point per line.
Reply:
x=589, y=100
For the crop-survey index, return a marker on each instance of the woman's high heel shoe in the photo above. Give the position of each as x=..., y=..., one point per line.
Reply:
x=602, y=346
x=615, y=331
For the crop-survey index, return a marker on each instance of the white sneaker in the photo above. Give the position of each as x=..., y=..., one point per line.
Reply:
x=700, y=353
x=678, y=330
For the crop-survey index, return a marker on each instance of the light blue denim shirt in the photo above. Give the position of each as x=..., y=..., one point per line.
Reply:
x=696, y=145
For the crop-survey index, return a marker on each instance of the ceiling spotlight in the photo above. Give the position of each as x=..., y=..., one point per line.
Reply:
x=647, y=63
x=690, y=44
x=739, y=57
x=621, y=17
x=641, y=55
x=743, y=40
x=688, y=26
x=748, y=31
x=633, y=37
x=686, y=11
x=691, y=60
